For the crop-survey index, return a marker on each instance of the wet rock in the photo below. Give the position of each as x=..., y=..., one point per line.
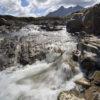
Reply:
x=71, y=95
x=91, y=20
x=4, y=63
x=7, y=52
x=92, y=87
x=76, y=55
x=89, y=66
x=93, y=93
x=87, y=20
x=24, y=54
x=83, y=82
x=77, y=16
x=13, y=52
x=28, y=56
x=96, y=78
x=74, y=25
x=88, y=47
x=51, y=26
x=3, y=22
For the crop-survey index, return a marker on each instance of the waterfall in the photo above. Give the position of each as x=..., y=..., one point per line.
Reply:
x=44, y=79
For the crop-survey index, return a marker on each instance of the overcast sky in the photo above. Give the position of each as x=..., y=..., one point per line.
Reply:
x=38, y=7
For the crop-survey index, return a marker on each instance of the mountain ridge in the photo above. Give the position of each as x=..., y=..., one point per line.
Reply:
x=62, y=11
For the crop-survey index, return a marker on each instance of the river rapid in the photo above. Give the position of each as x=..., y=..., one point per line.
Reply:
x=43, y=80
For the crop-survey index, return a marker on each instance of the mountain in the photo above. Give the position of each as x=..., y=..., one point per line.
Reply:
x=62, y=11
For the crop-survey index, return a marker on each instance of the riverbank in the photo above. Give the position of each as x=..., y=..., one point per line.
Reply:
x=89, y=60
x=84, y=25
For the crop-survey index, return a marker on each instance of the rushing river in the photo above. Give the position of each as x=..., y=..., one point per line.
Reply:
x=45, y=79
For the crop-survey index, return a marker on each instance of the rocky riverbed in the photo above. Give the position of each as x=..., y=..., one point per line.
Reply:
x=37, y=64
x=43, y=63
x=29, y=44
x=88, y=56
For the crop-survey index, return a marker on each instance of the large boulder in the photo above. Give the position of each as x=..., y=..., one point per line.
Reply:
x=89, y=66
x=29, y=54
x=93, y=93
x=83, y=82
x=91, y=20
x=96, y=78
x=71, y=95
x=74, y=25
x=77, y=16
x=76, y=55
x=3, y=22
x=4, y=62
x=82, y=46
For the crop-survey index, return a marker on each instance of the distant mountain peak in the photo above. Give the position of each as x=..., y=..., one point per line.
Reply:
x=62, y=7
x=78, y=6
x=62, y=11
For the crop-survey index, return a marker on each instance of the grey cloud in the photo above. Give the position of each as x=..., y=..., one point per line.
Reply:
x=78, y=2
x=41, y=1
x=14, y=6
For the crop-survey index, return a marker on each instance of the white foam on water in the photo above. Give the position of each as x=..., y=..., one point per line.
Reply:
x=42, y=80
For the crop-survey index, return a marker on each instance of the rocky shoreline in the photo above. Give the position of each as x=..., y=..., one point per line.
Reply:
x=89, y=60
x=85, y=26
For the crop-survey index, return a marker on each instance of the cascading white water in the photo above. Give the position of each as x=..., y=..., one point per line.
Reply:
x=44, y=79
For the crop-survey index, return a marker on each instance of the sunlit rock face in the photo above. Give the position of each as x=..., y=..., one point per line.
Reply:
x=41, y=64
x=72, y=95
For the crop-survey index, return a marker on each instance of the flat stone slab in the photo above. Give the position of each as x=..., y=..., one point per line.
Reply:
x=83, y=82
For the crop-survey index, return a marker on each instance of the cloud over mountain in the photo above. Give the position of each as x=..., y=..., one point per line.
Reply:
x=38, y=7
